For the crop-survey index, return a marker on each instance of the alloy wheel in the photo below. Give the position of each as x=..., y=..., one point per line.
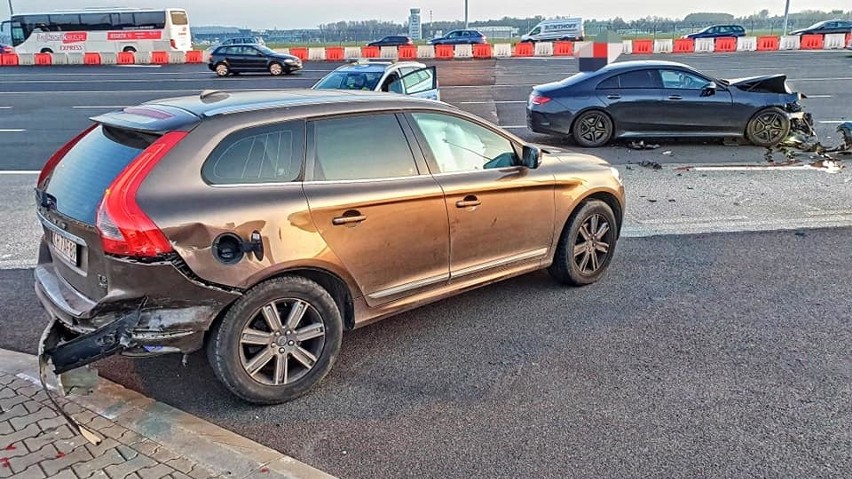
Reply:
x=769, y=127
x=222, y=70
x=592, y=245
x=593, y=128
x=276, y=69
x=282, y=342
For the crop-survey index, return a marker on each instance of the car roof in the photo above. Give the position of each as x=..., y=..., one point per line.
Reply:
x=170, y=114
x=213, y=103
x=630, y=65
x=376, y=67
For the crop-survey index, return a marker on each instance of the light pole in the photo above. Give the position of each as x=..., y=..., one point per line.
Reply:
x=786, y=15
x=466, y=24
x=11, y=10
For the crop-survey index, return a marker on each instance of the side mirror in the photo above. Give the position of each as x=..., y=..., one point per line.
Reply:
x=709, y=89
x=531, y=157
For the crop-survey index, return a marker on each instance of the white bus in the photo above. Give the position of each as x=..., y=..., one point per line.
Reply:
x=99, y=30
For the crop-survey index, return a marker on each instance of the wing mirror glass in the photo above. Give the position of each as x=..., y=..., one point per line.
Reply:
x=531, y=156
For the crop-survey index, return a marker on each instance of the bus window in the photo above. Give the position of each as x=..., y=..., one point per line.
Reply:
x=150, y=20
x=65, y=22
x=18, y=36
x=122, y=21
x=179, y=18
x=95, y=21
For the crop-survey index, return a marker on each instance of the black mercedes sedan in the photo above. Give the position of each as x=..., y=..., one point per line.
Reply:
x=236, y=59
x=639, y=99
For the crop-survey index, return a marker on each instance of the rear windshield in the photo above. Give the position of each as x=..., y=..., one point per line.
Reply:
x=179, y=18
x=79, y=181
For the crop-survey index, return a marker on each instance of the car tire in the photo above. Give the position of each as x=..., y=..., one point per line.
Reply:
x=768, y=127
x=222, y=70
x=276, y=69
x=586, y=246
x=593, y=129
x=260, y=368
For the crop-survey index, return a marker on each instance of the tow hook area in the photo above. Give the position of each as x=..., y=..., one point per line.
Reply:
x=65, y=362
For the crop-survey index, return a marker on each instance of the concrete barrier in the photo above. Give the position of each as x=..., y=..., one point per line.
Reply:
x=790, y=42
x=177, y=58
x=351, y=52
x=502, y=50
x=705, y=45
x=389, y=53
x=834, y=41
x=59, y=58
x=75, y=58
x=464, y=51
x=626, y=47
x=579, y=46
x=747, y=44
x=143, y=58
x=316, y=54
x=110, y=58
x=543, y=49
x=426, y=51
x=663, y=46
x=26, y=59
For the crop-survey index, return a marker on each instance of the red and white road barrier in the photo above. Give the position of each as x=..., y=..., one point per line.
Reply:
x=447, y=52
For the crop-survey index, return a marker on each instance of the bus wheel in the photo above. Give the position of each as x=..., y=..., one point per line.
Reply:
x=129, y=50
x=46, y=50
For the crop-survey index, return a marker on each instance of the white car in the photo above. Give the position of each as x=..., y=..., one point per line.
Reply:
x=407, y=78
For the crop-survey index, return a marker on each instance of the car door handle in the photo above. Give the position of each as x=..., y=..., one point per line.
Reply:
x=351, y=217
x=675, y=97
x=468, y=201
x=614, y=97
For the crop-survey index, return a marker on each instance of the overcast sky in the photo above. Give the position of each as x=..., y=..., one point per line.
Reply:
x=310, y=13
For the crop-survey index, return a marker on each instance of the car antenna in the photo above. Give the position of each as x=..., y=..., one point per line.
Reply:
x=213, y=93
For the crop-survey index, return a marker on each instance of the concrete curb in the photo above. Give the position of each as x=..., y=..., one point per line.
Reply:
x=223, y=452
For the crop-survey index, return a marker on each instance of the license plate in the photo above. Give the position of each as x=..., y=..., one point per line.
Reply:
x=65, y=248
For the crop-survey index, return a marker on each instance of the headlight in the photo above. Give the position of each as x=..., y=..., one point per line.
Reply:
x=289, y=60
x=616, y=174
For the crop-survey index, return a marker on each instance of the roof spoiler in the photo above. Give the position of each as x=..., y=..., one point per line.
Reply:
x=149, y=118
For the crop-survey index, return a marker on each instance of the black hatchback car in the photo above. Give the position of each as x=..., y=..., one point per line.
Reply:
x=392, y=41
x=236, y=59
x=826, y=28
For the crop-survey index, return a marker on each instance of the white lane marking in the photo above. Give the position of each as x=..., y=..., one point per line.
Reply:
x=125, y=92
x=11, y=130
x=19, y=172
x=104, y=107
x=5, y=107
x=833, y=122
x=767, y=168
x=818, y=96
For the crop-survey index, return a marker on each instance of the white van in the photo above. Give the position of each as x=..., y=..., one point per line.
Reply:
x=570, y=29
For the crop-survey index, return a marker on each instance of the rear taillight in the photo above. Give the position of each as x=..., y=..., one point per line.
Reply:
x=174, y=44
x=57, y=157
x=124, y=228
x=537, y=99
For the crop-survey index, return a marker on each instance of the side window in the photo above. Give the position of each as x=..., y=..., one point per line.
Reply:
x=453, y=35
x=640, y=79
x=609, y=84
x=535, y=31
x=350, y=149
x=419, y=82
x=459, y=145
x=268, y=154
x=681, y=80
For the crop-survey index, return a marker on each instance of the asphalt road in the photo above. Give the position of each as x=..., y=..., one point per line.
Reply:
x=41, y=108
x=697, y=356
x=709, y=355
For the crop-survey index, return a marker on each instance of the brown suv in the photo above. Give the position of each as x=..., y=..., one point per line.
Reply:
x=261, y=225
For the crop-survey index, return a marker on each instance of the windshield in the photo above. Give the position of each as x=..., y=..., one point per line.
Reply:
x=266, y=50
x=350, y=81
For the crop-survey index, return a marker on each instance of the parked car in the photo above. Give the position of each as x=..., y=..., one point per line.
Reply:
x=460, y=37
x=262, y=225
x=566, y=29
x=826, y=27
x=663, y=99
x=718, y=31
x=6, y=49
x=243, y=41
x=236, y=59
x=392, y=41
x=408, y=78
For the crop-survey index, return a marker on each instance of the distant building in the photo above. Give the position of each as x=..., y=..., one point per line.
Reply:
x=213, y=33
x=415, y=28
